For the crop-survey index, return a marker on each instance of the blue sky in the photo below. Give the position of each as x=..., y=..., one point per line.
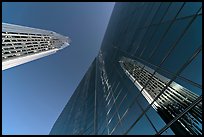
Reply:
x=35, y=93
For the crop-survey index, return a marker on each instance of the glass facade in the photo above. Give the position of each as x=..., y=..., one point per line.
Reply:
x=146, y=79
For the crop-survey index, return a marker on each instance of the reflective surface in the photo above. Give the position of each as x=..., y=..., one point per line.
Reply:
x=169, y=43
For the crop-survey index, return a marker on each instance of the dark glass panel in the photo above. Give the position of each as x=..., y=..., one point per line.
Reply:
x=155, y=118
x=172, y=11
x=172, y=35
x=142, y=127
x=193, y=71
x=186, y=47
x=190, y=8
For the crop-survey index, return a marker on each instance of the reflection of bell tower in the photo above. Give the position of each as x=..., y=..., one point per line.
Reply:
x=171, y=102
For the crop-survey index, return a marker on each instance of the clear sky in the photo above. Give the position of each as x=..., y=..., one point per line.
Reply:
x=34, y=94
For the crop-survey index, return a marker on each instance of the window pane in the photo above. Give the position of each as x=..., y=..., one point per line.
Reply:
x=192, y=123
x=110, y=102
x=117, y=93
x=190, y=8
x=130, y=116
x=123, y=107
x=174, y=101
x=160, y=13
x=168, y=132
x=101, y=124
x=142, y=127
x=155, y=119
x=194, y=70
x=120, y=97
x=139, y=14
x=152, y=13
x=200, y=12
x=172, y=11
x=113, y=122
x=105, y=131
x=161, y=30
x=145, y=16
x=146, y=43
x=132, y=93
x=112, y=112
x=188, y=86
x=142, y=101
x=137, y=40
x=190, y=42
x=118, y=130
x=116, y=89
x=172, y=35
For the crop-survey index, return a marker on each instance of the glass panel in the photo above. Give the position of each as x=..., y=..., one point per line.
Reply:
x=145, y=16
x=173, y=34
x=191, y=122
x=190, y=42
x=168, y=132
x=118, y=130
x=161, y=12
x=130, y=87
x=148, y=35
x=139, y=14
x=112, y=112
x=156, y=37
x=155, y=118
x=137, y=40
x=107, y=95
x=101, y=126
x=132, y=94
x=161, y=30
x=174, y=101
x=113, y=122
x=172, y=11
x=163, y=73
x=130, y=116
x=190, y=8
x=123, y=107
x=120, y=97
x=117, y=93
x=194, y=70
x=116, y=89
x=142, y=101
x=142, y=127
x=200, y=12
x=152, y=13
x=110, y=103
x=128, y=39
x=105, y=131
x=188, y=86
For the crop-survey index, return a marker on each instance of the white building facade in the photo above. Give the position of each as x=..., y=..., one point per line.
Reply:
x=22, y=44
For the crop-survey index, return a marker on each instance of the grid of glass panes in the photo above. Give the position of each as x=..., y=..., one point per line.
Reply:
x=22, y=44
x=173, y=101
x=78, y=115
x=191, y=21
x=161, y=36
x=111, y=108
